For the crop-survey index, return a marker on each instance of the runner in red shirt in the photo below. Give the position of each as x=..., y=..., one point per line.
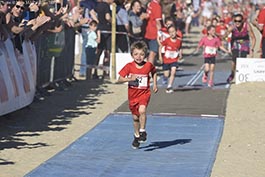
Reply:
x=137, y=74
x=154, y=11
x=172, y=47
x=260, y=24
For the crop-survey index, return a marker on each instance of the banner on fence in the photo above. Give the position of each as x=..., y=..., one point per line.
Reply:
x=250, y=70
x=121, y=60
x=17, y=76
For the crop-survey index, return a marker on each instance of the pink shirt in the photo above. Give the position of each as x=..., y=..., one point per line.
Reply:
x=210, y=46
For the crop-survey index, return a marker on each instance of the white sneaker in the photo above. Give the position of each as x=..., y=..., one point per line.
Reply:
x=169, y=90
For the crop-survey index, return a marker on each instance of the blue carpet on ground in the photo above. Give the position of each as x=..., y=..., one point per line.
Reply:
x=176, y=147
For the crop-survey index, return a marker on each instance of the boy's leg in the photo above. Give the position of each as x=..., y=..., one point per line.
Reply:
x=165, y=78
x=172, y=76
x=142, y=118
x=136, y=126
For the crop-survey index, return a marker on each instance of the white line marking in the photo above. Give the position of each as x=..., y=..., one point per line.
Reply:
x=209, y=115
x=195, y=77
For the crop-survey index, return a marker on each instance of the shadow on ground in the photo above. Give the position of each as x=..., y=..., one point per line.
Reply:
x=164, y=144
x=54, y=113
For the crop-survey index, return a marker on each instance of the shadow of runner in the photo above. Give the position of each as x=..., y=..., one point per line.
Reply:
x=164, y=144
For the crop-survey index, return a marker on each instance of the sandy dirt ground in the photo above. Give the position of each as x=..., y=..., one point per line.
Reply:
x=241, y=152
x=33, y=135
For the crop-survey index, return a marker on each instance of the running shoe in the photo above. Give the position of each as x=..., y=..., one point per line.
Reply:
x=204, y=78
x=230, y=78
x=142, y=138
x=135, y=143
x=169, y=90
x=210, y=83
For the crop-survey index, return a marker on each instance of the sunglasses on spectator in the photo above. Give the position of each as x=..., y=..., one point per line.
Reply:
x=20, y=7
x=239, y=21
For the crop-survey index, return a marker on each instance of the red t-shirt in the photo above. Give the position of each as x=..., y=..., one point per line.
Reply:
x=220, y=30
x=142, y=85
x=154, y=11
x=261, y=20
x=204, y=31
x=227, y=20
x=171, y=50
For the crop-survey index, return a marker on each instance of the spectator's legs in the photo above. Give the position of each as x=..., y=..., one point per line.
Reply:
x=83, y=61
x=153, y=47
x=99, y=52
x=151, y=57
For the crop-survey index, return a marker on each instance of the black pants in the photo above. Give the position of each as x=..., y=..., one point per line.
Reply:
x=121, y=39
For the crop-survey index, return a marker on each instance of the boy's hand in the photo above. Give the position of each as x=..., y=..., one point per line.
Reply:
x=155, y=89
x=132, y=78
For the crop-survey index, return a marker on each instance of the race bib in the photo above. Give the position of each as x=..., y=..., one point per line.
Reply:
x=141, y=82
x=210, y=50
x=171, y=54
x=222, y=32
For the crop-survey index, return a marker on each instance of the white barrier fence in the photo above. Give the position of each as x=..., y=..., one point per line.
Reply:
x=17, y=76
x=250, y=70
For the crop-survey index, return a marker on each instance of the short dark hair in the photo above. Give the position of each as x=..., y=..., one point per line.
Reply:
x=171, y=26
x=93, y=23
x=139, y=45
x=210, y=27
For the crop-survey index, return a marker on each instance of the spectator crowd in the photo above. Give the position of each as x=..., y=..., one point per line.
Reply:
x=144, y=20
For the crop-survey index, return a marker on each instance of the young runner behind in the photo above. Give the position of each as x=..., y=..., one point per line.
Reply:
x=210, y=43
x=171, y=56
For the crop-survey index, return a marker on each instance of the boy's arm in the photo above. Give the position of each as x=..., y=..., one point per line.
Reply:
x=154, y=76
x=159, y=51
x=122, y=79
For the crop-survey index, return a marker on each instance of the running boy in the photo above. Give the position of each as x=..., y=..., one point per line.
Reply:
x=210, y=43
x=171, y=56
x=137, y=74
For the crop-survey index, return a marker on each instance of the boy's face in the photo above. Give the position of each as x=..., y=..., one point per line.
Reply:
x=138, y=55
x=93, y=27
x=172, y=32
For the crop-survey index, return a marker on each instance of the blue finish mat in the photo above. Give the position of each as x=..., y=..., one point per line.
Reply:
x=176, y=147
